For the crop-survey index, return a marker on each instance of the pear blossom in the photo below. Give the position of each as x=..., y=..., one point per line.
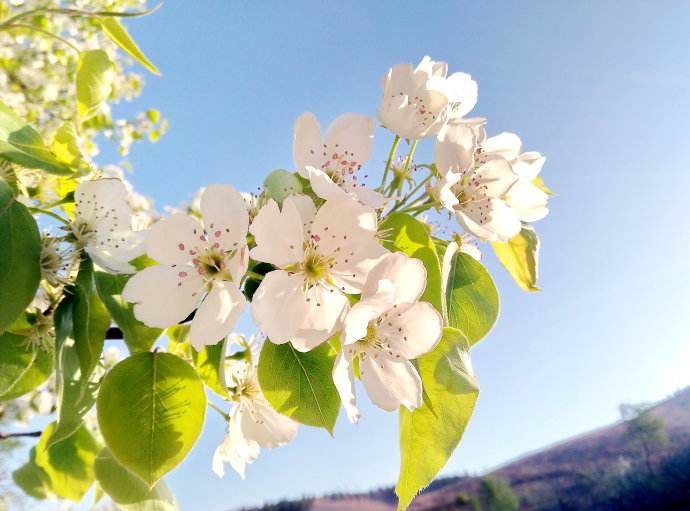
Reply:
x=386, y=329
x=103, y=225
x=200, y=268
x=320, y=256
x=331, y=163
x=253, y=422
x=475, y=193
x=418, y=101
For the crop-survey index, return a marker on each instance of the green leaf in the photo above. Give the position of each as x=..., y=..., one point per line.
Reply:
x=178, y=340
x=90, y=320
x=520, y=256
x=430, y=434
x=210, y=364
x=150, y=411
x=20, y=257
x=32, y=479
x=470, y=294
x=65, y=146
x=137, y=336
x=21, y=369
x=404, y=233
x=21, y=144
x=95, y=75
x=69, y=463
x=280, y=184
x=539, y=183
x=300, y=385
x=118, y=33
x=127, y=490
x=75, y=395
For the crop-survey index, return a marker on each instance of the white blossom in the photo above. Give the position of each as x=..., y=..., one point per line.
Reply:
x=319, y=256
x=253, y=422
x=331, y=163
x=385, y=330
x=475, y=193
x=103, y=225
x=417, y=102
x=201, y=267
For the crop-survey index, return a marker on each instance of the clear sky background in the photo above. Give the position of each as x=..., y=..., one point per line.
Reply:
x=601, y=88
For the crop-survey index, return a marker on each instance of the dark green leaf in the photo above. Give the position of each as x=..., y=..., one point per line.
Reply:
x=22, y=369
x=90, y=320
x=20, y=257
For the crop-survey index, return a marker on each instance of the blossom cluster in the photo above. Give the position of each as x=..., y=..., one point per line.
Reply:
x=327, y=276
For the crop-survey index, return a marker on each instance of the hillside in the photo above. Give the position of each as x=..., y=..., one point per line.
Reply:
x=543, y=480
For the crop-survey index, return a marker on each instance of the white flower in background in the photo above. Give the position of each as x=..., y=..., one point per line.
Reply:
x=253, y=421
x=386, y=329
x=103, y=225
x=200, y=266
x=417, y=102
x=332, y=163
x=475, y=194
x=320, y=256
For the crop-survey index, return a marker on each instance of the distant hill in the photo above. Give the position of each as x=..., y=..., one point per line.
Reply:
x=550, y=479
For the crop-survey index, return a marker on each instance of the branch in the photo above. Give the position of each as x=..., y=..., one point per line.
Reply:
x=115, y=334
x=33, y=434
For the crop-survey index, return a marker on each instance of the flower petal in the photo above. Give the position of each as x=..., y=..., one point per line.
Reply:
x=307, y=143
x=407, y=274
x=279, y=235
x=279, y=305
x=162, y=298
x=413, y=329
x=390, y=382
x=351, y=134
x=344, y=380
x=327, y=310
x=367, y=310
x=216, y=316
x=506, y=145
x=491, y=220
x=175, y=240
x=236, y=449
x=225, y=216
x=261, y=423
x=323, y=185
x=454, y=149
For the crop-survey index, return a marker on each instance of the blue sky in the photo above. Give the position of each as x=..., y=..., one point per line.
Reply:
x=601, y=90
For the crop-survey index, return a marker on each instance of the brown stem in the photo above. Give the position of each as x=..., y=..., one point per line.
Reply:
x=34, y=434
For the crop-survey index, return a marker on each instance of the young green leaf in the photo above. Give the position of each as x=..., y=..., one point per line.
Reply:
x=22, y=369
x=520, y=256
x=90, y=320
x=471, y=298
x=128, y=491
x=21, y=144
x=118, y=33
x=430, y=434
x=74, y=396
x=20, y=257
x=64, y=144
x=404, y=233
x=69, y=463
x=300, y=385
x=163, y=396
x=137, y=336
x=280, y=183
x=210, y=364
x=95, y=75
x=32, y=479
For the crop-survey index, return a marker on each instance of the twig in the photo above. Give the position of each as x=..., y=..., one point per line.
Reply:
x=33, y=434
